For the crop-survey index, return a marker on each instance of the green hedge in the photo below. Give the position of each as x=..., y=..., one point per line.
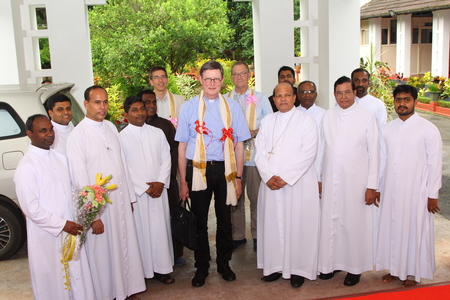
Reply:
x=443, y=103
x=425, y=100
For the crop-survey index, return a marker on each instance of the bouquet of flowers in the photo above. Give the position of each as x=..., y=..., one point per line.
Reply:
x=88, y=203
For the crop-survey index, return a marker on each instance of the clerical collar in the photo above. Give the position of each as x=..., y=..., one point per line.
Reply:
x=288, y=113
x=134, y=127
x=412, y=117
x=60, y=126
x=94, y=123
x=211, y=100
x=38, y=150
x=347, y=110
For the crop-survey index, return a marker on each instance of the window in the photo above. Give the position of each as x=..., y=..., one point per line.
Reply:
x=384, y=36
x=365, y=37
x=11, y=125
x=415, y=35
x=393, y=33
x=427, y=36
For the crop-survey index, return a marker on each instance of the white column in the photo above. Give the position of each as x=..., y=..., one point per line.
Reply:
x=8, y=54
x=403, y=65
x=375, y=37
x=338, y=44
x=273, y=41
x=441, y=43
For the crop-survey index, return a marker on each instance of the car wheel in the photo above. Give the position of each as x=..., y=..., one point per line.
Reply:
x=12, y=232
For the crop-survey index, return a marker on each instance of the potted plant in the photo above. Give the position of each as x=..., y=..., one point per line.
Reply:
x=434, y=91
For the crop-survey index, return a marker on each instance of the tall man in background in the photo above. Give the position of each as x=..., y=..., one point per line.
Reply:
x=307, y=94
x=59, y=108
x=255, y=106
x=285, y=74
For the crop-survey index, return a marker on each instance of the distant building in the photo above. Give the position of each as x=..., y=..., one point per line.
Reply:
x=412, y=36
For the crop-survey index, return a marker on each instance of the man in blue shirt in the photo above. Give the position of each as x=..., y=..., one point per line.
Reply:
x=211, y=131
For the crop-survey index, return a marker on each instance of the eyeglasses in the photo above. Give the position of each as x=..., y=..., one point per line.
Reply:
x=159, y=77
x=346, y=93
x=306, y=92
x=215, y=80
x=242, y=74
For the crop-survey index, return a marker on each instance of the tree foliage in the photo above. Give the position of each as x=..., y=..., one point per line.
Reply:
x=240, y=46
x=128, y=37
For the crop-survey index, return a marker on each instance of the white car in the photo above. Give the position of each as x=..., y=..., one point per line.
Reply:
x=17, y=103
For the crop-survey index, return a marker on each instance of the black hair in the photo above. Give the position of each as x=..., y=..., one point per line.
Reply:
x=129, y=101
x=360, y=70
x=307, y=81
x=342, y=80
x=286, y=68
x=30, y=121
x=404, y=88
x=52, y=100
x=87, y=92
x=143, y=92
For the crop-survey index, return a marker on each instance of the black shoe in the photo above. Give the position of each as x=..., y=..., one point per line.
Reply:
x=254, y=244
x=297, y=281
x=227, y=273
x=199, y=277
x=327, y=275
x=271, y=277
x=351, y=279
x=237, y=243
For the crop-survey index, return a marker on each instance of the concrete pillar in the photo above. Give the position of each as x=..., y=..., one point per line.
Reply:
x=273, y=41
x=8, y=50
x=338, y=44
x=375, y=38
x=69, y=40
x=403, y=65
x=441, y=43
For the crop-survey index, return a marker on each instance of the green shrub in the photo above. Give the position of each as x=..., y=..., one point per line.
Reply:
x=443, y=103
x=425, y=100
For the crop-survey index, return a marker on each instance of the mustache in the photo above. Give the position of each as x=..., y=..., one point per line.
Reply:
x=402, y=107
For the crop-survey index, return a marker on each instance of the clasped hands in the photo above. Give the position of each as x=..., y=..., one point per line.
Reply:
x=275, y=183
x=155, y=189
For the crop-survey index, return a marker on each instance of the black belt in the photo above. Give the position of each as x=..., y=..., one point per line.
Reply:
x=210, y=162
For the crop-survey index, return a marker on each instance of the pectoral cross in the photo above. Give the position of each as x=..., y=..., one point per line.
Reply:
x=270, y=154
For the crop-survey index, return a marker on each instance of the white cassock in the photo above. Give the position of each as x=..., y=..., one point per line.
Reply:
x=288, y=218
x=148, y=157
x=114, y=256
x=61, y=134
x=412, y=162
x=314, y=111
x=376, y=107
x=349, y=157
x=45, y=195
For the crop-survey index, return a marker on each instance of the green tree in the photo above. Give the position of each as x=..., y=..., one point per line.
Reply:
x=128, y=37
x=240, y=18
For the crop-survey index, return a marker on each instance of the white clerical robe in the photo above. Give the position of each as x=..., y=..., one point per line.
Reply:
x=349, y=159
x=61, y=134
x=148, y=157
x=314, y=111
x=114, y=256
x=45, y=195
x=376, y=107
x=288, y=218
x=412, y=163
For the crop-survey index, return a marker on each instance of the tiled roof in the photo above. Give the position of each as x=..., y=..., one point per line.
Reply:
x=380, y=8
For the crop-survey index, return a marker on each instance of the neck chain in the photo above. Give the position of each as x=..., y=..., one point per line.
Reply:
x=282, y=133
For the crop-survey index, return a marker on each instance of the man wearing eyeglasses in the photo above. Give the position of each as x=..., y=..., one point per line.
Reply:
x=211, y=133
x=168, y=103
x=348, y=158
x=255, y=106
x=285, y=74
x=361, y=80
x=307, y=94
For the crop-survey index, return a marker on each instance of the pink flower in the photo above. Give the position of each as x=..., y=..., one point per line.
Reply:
x=251, y=99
